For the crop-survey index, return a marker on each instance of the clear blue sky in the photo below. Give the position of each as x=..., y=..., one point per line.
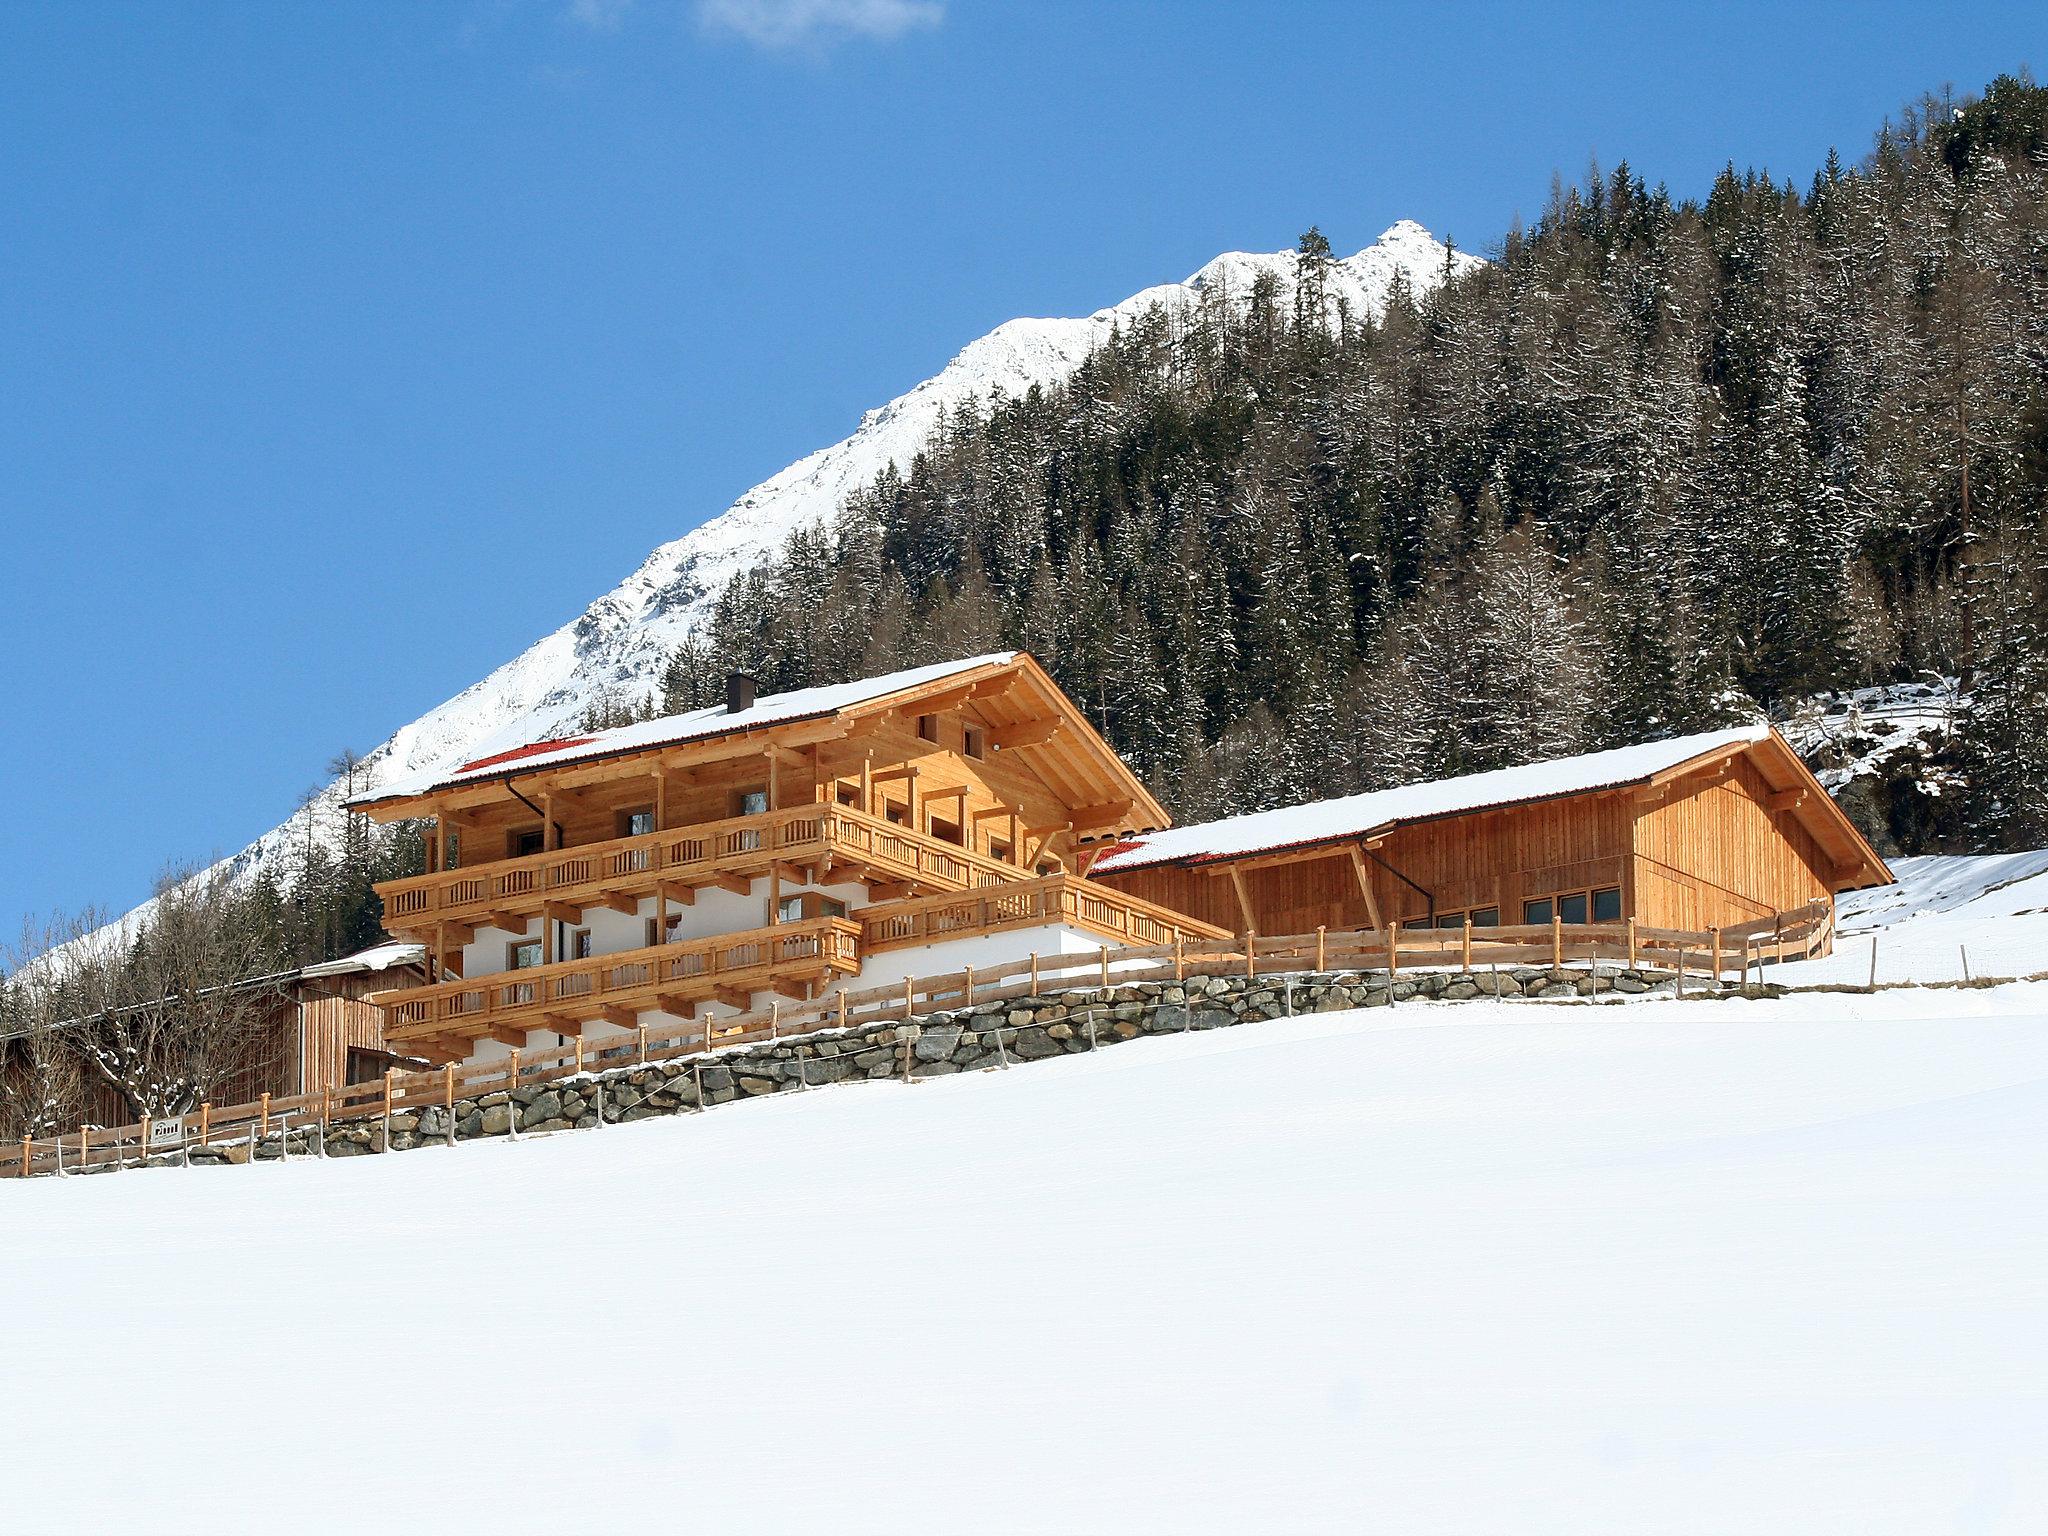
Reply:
x=346, y=349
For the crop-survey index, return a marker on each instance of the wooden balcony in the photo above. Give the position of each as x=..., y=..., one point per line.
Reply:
x=852, y=844
x=673, y=978
x=1114, y=916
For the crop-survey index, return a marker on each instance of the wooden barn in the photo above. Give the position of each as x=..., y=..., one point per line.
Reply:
x=318, y=1030
x=1699, y=832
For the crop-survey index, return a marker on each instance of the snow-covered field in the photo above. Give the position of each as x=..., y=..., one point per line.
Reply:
x=1654, y=1267
x=1989, y=914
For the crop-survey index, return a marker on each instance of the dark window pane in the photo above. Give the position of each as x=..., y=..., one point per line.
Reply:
x=1486, y=917
x=1572, y=908
x=1450, y=919
x=1607, y=905
x=1536, y=911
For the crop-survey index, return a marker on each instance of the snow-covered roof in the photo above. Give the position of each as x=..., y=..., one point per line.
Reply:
x=494, y=758
x=379, y=957
x=1325, y=821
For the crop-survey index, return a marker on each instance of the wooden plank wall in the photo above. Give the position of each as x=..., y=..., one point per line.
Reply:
x=1487, y=859
x=1711, y=855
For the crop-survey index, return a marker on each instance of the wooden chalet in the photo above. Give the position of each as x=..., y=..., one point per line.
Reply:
x=1700, y=832
x=776, y=847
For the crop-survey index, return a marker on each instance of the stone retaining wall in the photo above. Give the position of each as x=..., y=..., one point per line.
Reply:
x=995, y=1034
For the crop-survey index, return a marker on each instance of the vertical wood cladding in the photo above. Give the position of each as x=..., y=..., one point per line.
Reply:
x=1708, y=853
x=1488, y=859
x=1712, y=854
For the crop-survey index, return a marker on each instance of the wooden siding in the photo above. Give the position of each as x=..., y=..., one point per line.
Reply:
x=1711, y=854
x=1488, y=859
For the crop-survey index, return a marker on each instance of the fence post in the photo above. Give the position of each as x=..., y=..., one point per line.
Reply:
x=1180, y=972
x=642, y=1029
x=205, y=1120
x=1393, y=955
x=25, y=1153
x=263, y=1109
x=1105, y=966
x=1715, y=935
x=579, y=1055
x=141, y=1162
x=909, y=1000
x=842, y=1005
x=448, y=1097
x=1322, y=930
x=1465, y=949
x=774, y=1018
x=969, y=971
x=1631, y=943
x=1556, y=941
x=512, y=1071
x=84, y=1154
x=1251, y=952
x=1034, y=973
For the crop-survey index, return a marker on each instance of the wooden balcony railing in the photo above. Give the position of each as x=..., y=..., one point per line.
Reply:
x=1099, y=909
x=741, y=845
x=667, y=976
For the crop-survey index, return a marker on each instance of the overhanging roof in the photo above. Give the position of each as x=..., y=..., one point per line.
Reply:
x=1381, y=811
x=1075, y=760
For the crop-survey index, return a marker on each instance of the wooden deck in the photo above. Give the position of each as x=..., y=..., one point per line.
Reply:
x=672, y=978
x=1068, y=899
x=851, y=844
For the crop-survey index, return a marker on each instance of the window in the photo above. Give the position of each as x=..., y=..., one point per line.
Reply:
x=1572, y=908
x=1486, y=917
x=658, y=933
x=750, y=802
x=849, y=794
x=524, y=842
x=521, y=954
x=998, y=849
x=970, y=740
x=1607, y=905
x=454, y=850
x=366, y=1066
x=1536, y=911
x=1048, y=867
x=897, y=815
x=809, y=904
x=946, y=831
x=1450, y=919
x=927, y=727
x=636, y=823
x=579, y=944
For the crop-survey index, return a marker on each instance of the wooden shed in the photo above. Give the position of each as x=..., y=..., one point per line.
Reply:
x=1703, y=831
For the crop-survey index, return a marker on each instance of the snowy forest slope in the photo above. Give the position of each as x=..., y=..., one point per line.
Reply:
x=1662, y=464
x=616, y=651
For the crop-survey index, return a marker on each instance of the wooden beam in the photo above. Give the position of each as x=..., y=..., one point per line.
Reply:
x=891, y=890
x=786, y=987
x=1785, y=800
x=1244, y=900
x=1025, y=733
x=624, y=1018
x=561, y=1024
x=513, y=923
x=620, y=901
x=564, y=911
x=739, y=885
x=733, y=997
x=1372, y=905
x=680, y=1007
x=1108, y=814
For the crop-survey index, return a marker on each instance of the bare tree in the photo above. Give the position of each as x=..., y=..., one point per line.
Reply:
x=168, y=1017
x=42, y=1085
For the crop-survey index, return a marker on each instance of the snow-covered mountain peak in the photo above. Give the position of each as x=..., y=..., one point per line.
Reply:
x=620, y=644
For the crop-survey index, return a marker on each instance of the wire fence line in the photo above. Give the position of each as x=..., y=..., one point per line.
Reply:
x=1710, y=954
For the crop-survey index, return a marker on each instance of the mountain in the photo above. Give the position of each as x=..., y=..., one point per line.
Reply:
x=620, y=643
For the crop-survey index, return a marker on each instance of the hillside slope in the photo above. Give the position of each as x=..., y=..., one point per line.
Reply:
x=1666, y=1266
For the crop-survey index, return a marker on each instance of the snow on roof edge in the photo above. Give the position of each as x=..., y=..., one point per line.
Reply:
x=1323, y=821
x=490, y=758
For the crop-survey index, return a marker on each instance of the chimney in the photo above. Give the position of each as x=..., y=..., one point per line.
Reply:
x=739, y=692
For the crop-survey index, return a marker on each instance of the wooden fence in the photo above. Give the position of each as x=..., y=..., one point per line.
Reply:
x=1713, y=954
